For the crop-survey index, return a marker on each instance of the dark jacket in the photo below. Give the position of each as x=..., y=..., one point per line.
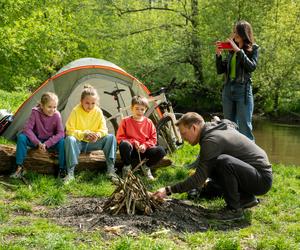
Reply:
x=245, y=64
x=222, y=138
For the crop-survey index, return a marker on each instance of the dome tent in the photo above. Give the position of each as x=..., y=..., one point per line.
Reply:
x=68, y=84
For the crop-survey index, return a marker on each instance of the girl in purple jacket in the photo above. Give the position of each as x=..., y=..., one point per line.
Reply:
x=44, y=131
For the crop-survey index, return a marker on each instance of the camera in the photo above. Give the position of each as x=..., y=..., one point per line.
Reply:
x=224, y=45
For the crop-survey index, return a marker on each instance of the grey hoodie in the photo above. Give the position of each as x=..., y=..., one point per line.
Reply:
x=218, y=138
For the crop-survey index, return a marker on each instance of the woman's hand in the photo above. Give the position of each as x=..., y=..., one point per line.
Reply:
x=235, y=48
x=218, y=49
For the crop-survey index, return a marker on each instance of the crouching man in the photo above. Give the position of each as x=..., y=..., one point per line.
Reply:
x=235, y=163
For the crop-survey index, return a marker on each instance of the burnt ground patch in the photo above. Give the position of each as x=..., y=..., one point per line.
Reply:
x=176, y=215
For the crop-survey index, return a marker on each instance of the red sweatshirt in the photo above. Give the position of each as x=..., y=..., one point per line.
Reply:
x=137, y=132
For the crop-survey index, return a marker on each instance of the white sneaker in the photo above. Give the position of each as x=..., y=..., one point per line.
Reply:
x=147, y=172
x=68, y=179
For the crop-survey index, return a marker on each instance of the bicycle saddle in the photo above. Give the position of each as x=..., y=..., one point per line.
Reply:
x=115, y=92
x=158, y=92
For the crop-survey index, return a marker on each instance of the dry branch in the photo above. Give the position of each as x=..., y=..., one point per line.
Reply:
x=131, y=197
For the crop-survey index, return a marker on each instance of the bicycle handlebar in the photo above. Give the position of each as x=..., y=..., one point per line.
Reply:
x=170, y=86
x=115, y=92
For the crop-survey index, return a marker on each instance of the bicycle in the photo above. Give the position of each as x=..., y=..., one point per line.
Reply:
x=165, y=119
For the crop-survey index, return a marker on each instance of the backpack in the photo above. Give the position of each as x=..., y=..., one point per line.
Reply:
x=6, y=119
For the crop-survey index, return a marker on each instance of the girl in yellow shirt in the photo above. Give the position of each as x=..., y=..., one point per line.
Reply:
x=86, y=131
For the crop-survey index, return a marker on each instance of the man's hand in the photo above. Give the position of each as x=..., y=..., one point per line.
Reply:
x=160, y=194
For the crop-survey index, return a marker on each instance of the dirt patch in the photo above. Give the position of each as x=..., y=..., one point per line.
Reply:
x=176, y=215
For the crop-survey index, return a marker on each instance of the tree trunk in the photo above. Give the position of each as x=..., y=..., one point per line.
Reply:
x=47, y=163
x=196, y=54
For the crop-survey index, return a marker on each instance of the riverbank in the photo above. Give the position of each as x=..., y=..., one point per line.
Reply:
x=53, y=216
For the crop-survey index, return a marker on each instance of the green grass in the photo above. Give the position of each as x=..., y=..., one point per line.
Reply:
x=274, y=224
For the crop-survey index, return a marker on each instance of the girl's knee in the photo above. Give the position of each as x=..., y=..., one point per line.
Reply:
x=110, y=137
x=70, y=140
x=61, y=142
x=22, y=137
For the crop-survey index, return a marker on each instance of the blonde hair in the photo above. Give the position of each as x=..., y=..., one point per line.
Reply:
x=189, y=119
x=47, y=97
x=89, y=90
x=140, y=100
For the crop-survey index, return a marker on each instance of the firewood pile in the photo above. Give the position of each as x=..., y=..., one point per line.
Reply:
x=131, y=197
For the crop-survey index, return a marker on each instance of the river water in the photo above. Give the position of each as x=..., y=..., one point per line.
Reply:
x=280, y=141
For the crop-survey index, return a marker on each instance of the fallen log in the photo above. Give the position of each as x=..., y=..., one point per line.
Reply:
x=47, y=163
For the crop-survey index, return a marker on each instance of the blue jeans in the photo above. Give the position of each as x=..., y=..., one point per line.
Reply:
x=237, y=108
x=23, y=142
x=74, y=147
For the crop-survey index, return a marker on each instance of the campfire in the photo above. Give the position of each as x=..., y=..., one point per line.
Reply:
x=131, y=197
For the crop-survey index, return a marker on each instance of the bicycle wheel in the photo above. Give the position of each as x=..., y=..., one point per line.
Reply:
x=166, y=135
x=111, y=124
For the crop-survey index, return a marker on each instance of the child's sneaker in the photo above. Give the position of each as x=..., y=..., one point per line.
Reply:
x=62, y=173
x=147, y=172
x=70, y=176
x=111, y=174
x=68, y=179
x=19, y=172
x=125, y=170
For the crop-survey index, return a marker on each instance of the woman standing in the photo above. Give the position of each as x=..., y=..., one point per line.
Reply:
x=237, y=97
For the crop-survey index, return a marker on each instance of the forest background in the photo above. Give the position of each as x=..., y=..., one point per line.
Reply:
x=154, y=40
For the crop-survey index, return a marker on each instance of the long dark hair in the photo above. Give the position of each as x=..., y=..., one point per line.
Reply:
x=244, y=30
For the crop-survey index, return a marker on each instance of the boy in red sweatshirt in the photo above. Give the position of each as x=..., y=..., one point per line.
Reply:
x=137, y=135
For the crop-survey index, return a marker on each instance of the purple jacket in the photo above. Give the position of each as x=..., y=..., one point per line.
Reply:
x=40, y=127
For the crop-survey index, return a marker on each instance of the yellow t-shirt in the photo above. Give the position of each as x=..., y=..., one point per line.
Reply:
x=80, y=122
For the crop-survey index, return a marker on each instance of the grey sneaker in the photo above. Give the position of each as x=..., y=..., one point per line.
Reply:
x=125, y=170
x=113, y=177
x=147, y=172
x=19, y=172
x=111, y=174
